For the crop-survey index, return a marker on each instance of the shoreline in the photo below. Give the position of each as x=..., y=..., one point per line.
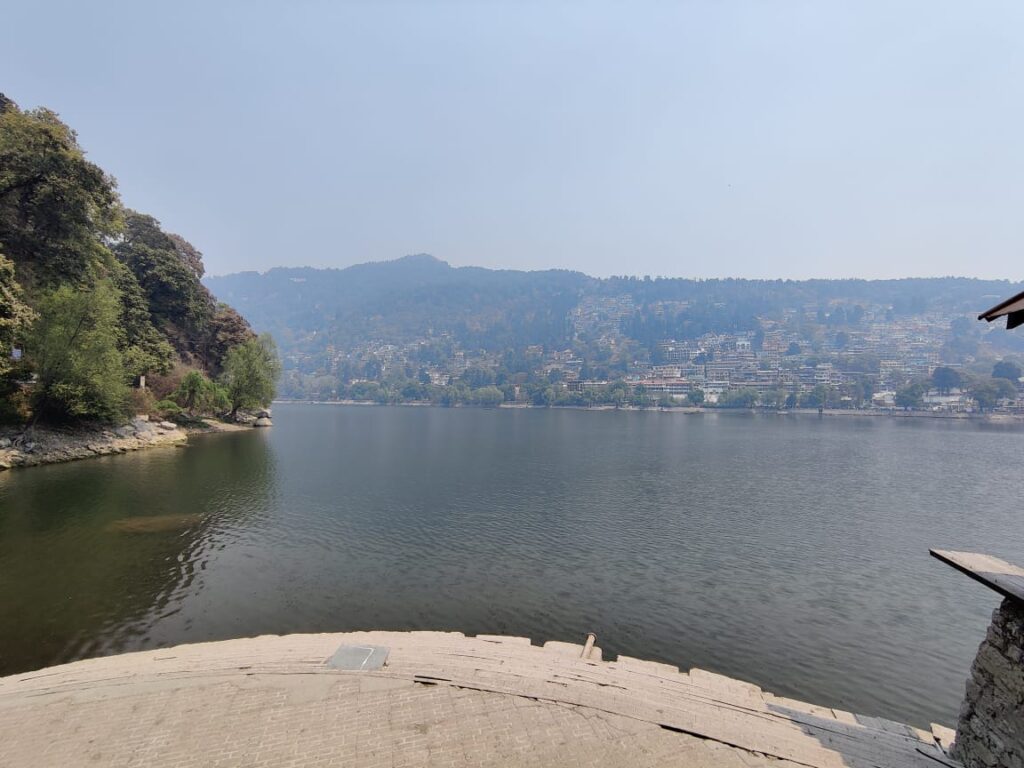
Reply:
x=997, y=418
x=58, y=445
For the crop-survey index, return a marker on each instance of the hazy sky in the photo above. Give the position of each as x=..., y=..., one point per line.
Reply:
x=698, y=139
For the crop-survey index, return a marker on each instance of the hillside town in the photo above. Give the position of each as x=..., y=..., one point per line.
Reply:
x=837, y=356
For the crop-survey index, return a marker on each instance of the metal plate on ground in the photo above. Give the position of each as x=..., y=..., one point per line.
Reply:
x=358, y=658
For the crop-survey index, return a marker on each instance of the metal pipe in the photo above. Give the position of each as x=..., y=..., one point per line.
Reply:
x=589, y=646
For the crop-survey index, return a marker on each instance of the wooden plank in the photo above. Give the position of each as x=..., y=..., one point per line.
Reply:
x=1003, y=577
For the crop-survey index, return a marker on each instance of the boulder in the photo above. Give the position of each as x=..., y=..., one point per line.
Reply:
x=5, y=442
x=263, y=421
x=167, y=425
x=264, y=413
x=126, y=431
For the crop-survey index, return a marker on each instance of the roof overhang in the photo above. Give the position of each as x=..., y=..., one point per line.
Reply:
x=1012, y=309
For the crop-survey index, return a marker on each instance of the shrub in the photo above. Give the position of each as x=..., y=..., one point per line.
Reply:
x=168, y=409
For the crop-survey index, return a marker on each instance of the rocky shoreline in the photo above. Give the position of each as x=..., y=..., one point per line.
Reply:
x=50, y=445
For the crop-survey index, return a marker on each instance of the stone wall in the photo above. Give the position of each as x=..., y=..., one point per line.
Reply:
x=990, y=733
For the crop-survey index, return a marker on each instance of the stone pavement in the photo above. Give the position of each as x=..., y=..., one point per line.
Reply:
x=440, y=699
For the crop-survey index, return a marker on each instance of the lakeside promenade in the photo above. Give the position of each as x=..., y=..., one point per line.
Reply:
x=425, y=699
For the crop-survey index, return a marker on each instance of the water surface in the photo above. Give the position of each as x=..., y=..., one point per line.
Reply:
x=788, y=551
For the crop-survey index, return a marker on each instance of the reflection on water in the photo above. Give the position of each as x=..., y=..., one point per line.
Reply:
x=93, y=552
x=791, y=552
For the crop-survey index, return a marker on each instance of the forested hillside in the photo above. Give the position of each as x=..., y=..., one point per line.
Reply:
x=96, y=298
x=399, y=330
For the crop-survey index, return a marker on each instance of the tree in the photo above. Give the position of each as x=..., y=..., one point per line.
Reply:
x=737, y=398
x=145, y=348
x=15, y=314
x=945, y=379
x=250, y=373
x=75, y=351
x=695, y=397
x=489, y=396
x=198, y=395
x=165, y=268
x=817, y=397
x=1006, y=369
x=56, y=208
x=910, y=396
x=475, y=377
x=226, y=329
x=792, y=349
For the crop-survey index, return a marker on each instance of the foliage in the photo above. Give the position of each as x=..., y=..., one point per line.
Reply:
x=695, y=397
x=116, y=296
x=75, y=346
x=911, y=396
x=146, y=350
x=168, y=409
x=737, y=398
x=226, y=329
x=1006, y=369
x=946, y=379
x=164, y=267
x=55, y=206
x=15, y=314
x=488, y=396
x=197, y=395
x=988, y=392
x=251, y=370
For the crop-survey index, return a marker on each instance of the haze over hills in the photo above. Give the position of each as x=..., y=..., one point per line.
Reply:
x=419, y=320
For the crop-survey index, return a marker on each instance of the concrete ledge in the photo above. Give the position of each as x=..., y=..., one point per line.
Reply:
x=440, y=698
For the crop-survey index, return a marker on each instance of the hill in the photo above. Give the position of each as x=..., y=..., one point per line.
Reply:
x=95, y=296
x=418, y=319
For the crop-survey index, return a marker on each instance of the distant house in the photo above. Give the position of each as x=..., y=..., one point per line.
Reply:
x=1012, y=309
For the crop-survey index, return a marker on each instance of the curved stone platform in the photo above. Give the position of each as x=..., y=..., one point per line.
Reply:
x=424, y=698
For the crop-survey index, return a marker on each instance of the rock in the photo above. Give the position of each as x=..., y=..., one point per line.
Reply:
x=126, y=431
x=28, y=447
x=142, y=417
x=5, y=442
x=264, y=414
x=263, y=421
x=167, y=425
x=142, y=425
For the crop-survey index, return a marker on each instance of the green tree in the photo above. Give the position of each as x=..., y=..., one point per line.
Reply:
x=75, y=351
x=737, y=398
x=1005, y=369
x=988, y=392
x=910, y=396
x=165, y=269
x=56, y=208
x=15, y=314
x=489, y=396
x=226, y=329
x=198, y=395
x=945, y=379
x=817, y=397
x=695, y=396
x=145, y=348
x=251, y=370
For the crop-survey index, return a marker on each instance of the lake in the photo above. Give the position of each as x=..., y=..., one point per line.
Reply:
x=790, y=551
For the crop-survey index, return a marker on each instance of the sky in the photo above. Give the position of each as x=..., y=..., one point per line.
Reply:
x=687, y=139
